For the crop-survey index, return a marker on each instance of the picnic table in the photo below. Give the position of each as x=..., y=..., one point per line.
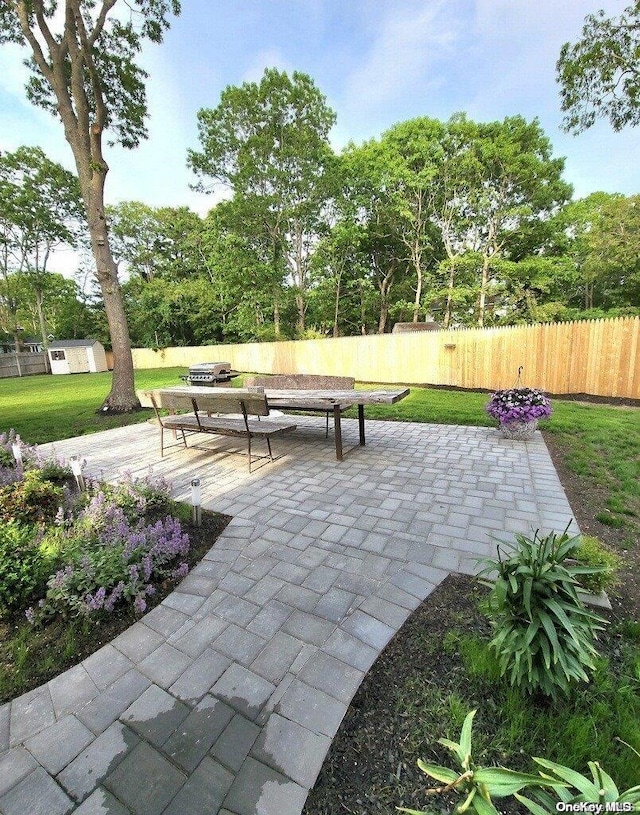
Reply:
x=335, y=401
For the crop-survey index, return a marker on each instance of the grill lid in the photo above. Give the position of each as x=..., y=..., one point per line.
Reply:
x=211, y=368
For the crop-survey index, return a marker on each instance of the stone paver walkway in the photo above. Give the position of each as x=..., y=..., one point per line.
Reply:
x=225, y=698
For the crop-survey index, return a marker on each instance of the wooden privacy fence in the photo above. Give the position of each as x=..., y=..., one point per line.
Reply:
x=25, y=364
x=598, y=357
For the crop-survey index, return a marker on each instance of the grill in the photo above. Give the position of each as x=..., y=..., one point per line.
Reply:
x=210, y=373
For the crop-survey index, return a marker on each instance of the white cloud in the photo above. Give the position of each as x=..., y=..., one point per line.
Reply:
x=409, y=41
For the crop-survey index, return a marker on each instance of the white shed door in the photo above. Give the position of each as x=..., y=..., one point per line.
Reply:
x=78, y=362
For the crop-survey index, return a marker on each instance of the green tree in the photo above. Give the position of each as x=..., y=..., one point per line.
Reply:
x=83, y=70
x=155, y=240
x=268, y=143
x=40, y=210
x=599, y=75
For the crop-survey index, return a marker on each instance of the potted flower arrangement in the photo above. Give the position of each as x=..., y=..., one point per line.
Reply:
x=518, y=410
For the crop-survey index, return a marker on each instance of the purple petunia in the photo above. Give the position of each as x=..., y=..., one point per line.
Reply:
x=519, y=405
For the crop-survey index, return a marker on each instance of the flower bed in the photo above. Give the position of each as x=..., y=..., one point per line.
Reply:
x=64, y=552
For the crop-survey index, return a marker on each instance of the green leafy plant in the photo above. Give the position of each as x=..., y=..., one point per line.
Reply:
x=23, y=567
x=599, y=789
x=545, y=635
x=479, y=785
x=592, y=552
x=34, y=499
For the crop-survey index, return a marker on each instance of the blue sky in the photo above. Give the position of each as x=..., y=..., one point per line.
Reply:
x=377, y=61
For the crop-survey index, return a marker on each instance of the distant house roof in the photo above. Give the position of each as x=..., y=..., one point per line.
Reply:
x=403, y=328
x=73, y=343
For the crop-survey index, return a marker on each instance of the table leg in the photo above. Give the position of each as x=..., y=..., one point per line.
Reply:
x=361, y=423
x=337, y=431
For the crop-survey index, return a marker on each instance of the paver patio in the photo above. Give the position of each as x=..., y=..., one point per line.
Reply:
x=225, y=697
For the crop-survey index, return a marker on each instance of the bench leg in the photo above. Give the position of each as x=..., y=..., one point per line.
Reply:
x=361, y=423
x=249, y=450
x=337, y=429
x=269, y=446
x=326, y=432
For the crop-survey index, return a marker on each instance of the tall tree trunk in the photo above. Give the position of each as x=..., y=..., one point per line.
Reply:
x=276, y=316
x=43, y=328
x=336, y=307
x=448, y=307
x=122, y=396
x=483, y=291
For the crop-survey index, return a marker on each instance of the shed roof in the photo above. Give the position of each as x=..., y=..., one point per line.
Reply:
x=73, y=343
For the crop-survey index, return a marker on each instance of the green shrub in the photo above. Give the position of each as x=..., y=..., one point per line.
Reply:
x=545, y=636
x=592, y=552
x=32, y=500
x=24, y=569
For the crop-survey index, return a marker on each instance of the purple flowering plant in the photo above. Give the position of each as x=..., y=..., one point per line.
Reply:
x=109, y=555
x=518, y=405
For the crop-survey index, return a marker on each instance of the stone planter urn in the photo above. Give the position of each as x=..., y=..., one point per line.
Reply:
x=520, y=431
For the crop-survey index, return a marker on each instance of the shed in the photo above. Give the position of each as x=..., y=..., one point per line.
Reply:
x=77, y=357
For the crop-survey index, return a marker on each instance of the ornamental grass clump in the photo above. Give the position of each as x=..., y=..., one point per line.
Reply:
x=519, y=405
x=545, y=636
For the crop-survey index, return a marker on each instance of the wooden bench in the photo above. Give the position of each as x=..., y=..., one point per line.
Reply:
x=251, y=406
x=311, y=382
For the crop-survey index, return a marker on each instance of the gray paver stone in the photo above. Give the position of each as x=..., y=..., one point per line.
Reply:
x=237, y=610
x=14, y=766
x=259, y=789
x=5, y=718
x=243, y=689
x=291, y=749
x=235, y=742
x=308, y=628
x=106, y=665
x=276, y=657
x=138, y=641
x=199, y=636
x=101, y=802
x=298, y=597
x=37, y=794
x=155, y=715
x=332, y=676
x=312, y=708
x=200, y=676
x=71, y=690
x=99, y=759
x=351, y=650
x=105, y=708
x=145, y=781
x=188, y=745
x=270, y=619
x=366, y=628
x=386, y=611
x=59, y=744
x=30, y=714
x=239, y=644
x=181, y=601
x=204, y=791
x=165, y=665
x=165, y=620
x=334, y=605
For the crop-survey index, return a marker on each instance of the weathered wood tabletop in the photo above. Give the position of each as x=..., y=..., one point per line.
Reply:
x=333, y=401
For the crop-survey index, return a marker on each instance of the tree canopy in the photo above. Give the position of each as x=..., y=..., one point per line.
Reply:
x=599, y=75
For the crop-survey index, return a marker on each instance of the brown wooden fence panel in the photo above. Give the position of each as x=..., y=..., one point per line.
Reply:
x=599, y=357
